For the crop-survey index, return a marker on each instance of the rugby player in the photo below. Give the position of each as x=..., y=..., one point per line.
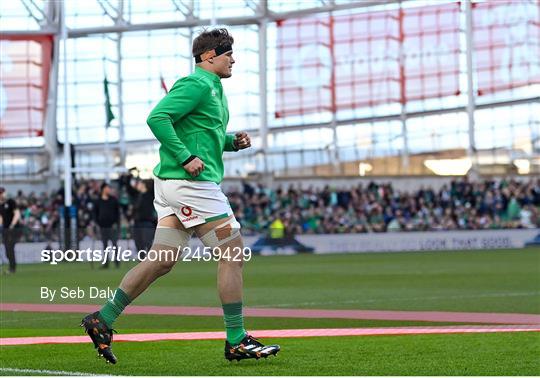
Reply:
x=190, y=123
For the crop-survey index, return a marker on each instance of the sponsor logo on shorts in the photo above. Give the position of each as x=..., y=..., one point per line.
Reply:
x=186, y=211
x=189, y=219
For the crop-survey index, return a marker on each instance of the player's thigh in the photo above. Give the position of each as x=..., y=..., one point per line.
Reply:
x=171, y=221
x=204, y=228
x=170, y=238
x=223, y=231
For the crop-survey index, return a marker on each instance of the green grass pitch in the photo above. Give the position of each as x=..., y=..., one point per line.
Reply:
x=489, y=281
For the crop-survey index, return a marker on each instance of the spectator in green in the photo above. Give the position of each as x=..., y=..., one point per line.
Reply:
x=513, y=209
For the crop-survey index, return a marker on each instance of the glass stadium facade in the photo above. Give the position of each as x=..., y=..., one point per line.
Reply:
x=323, y=86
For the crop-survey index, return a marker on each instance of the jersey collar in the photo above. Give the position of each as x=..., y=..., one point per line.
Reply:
x=210, y=75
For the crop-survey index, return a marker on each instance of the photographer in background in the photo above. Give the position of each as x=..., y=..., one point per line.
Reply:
x=11, y=215
x=144, y=215
x=107, y=216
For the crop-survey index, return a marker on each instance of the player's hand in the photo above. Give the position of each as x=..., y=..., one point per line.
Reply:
x=194, y=167
x=242, y=140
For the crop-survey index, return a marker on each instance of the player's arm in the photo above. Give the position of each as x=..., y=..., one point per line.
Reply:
x=184, y=96
x=238, y=141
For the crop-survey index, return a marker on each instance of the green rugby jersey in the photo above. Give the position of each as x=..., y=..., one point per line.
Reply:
x=192, y=120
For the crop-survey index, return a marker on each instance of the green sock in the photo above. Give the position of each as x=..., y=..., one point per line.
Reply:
x=114, y=307
x=234, y=322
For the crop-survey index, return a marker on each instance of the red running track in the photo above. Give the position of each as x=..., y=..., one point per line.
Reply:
x=286, y=333
x=426, y=316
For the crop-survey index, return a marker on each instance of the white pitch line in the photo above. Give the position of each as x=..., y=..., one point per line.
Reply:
x=50, y=372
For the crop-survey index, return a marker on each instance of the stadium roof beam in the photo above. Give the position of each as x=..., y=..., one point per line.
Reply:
x=192, y=21
x=330, y=7
x=108, y=12
x=254, y=5
x=244, y=20
x=186, y=9
x=28, y=5
x=188, y=23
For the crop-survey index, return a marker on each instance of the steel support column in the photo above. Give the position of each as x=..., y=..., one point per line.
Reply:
x=403, y=95
x=67, y=145
x=263, y=103
x=50, y=129
x=471, y=150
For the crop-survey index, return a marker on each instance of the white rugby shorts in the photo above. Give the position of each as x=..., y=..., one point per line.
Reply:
x=193, y=202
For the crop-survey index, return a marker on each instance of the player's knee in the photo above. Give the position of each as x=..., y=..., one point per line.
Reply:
x=164, y=267
x=223, y=235
x=161, y=259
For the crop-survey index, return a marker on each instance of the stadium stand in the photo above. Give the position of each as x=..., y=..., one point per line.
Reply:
x=376, y=207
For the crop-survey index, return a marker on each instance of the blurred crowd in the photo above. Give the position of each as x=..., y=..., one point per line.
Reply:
x=460, y=205
x=121, y=205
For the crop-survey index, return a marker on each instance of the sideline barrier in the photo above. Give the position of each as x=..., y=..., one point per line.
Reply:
x=419, y=241
x=341, y=243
